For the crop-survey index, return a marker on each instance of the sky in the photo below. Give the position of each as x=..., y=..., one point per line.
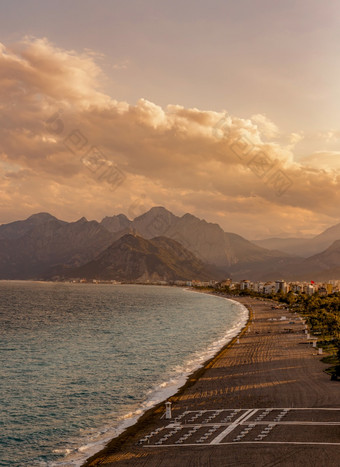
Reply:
x=224, y=109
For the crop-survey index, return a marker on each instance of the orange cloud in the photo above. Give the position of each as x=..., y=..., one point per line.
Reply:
x=68, y=148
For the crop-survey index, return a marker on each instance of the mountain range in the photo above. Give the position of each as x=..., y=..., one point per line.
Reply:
x=158, y=245
x=206, y=240
x=302, y=246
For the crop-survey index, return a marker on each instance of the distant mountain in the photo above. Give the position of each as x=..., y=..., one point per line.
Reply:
x=291, y=246
x=328, y=259
x=155, y=222
x=206, y=240
x=133, y=258
x=151, y=224
x=116, y=223
x=17, y=229
x=28, y=248
x=267, y=270
x=320, y=267
x=326, y=238
x=42, y=246
x=302, y=246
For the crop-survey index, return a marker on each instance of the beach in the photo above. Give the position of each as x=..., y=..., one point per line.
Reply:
x=262, y=400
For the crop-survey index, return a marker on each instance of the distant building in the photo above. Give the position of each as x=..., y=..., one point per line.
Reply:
x=245, y=285
x=310, y=289
x=269, y=287
x=281, y=286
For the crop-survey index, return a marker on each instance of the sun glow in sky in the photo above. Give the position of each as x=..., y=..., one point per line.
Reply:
x=225, y=109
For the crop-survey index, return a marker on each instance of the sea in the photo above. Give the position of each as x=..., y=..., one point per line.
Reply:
x=81, y=362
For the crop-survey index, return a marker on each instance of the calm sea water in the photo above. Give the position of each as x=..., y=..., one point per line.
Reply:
x=79, y=362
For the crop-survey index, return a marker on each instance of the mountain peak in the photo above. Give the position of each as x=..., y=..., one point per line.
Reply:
x=82, y=220
x=189, y=216
x=155, y=211
x=134, y=258
x=116, y=223
x=155, y=222
x=41, y=216
x=121, y=217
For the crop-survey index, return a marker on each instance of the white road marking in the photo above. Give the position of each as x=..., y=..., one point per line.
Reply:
x=247, y=442
x=265, y=408
x=233, y=425
x=243, y=420
x=296, y=423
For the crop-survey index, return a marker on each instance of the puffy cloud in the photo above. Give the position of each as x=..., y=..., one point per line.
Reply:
x=266, y=126
x=68, y=148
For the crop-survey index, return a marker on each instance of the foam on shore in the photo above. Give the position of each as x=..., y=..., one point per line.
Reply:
x=98, y=439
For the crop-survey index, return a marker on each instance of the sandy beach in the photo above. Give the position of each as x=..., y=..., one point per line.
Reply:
x=264, y=400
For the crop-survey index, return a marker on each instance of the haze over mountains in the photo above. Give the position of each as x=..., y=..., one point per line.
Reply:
x=206, y=240
x=303, y=246
x=157, y=245
x=322, y=266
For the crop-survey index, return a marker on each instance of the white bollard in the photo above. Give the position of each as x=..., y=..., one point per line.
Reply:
x=314, y=344
x=306, y=331
x=238, y=341
x=168, y=410
x=320, y=350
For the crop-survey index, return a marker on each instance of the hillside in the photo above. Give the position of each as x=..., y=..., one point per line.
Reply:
x=133, y=258
x=28, y=248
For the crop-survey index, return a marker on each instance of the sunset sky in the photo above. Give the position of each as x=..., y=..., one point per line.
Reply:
x=225, y=109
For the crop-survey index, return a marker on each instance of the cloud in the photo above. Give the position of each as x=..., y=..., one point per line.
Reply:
x=68, y=148
x=295, y=138
x=323, y=160
x=329, y=136
x=266, y=126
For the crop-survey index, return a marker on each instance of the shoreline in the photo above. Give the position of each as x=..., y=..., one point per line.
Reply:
x=155, y=411
x=230, y=411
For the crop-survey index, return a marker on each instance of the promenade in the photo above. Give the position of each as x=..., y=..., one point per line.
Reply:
x=264, y=401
